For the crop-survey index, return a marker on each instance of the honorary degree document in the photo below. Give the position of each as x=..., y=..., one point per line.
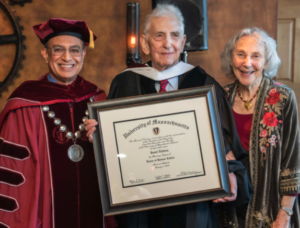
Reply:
x=159, y=150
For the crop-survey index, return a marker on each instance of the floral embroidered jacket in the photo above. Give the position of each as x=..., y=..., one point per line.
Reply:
x=274, y=153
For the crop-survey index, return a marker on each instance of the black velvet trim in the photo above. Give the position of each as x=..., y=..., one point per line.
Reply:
x=190, y=81
x=7, y=204
x=12, y=150
x=10, y=177
x=3, y=226
x=79, y=36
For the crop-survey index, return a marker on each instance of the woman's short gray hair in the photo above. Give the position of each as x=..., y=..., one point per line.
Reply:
x=163, y=10
x=272, y=60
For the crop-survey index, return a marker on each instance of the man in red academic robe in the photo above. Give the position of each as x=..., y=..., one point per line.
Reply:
x=47, y=167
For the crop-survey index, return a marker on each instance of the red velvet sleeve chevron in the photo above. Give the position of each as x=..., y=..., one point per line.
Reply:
x=12, y=150
x=24, y=185
x=11, y=177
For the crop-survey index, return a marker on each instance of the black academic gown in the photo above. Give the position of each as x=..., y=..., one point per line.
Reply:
x=198, y=215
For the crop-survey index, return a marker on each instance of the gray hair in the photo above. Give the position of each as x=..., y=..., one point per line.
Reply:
x=272, y=60
x=163, y=10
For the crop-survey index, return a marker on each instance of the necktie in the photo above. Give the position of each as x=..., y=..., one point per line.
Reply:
x=163, y=84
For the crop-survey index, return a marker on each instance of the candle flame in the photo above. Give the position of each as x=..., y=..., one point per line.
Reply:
x=132, y=40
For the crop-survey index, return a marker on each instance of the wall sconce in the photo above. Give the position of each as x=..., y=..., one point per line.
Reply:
x=133, y=11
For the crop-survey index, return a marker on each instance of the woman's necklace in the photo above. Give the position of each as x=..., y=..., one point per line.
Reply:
x=75, y=152
x=247, y=104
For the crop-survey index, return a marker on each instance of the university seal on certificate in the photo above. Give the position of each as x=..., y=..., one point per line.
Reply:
x=156, y=130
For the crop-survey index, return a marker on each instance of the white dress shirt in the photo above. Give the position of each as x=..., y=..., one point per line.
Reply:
x=172, y=84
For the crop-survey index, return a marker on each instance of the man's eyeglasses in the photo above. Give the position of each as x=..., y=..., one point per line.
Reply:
x=59, y=51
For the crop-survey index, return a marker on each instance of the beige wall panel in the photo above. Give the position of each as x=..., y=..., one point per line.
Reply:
x=107, y=20
x=285, y=41
x=288, y=8
x=297, y=51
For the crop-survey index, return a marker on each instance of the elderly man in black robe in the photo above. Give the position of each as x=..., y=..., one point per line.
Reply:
x=163, y=39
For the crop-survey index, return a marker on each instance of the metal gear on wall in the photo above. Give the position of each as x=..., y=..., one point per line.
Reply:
x=16, y=38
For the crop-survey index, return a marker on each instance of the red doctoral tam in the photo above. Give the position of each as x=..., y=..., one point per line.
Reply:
x=58, y=27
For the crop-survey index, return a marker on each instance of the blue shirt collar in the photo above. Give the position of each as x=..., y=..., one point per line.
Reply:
x=51, y=79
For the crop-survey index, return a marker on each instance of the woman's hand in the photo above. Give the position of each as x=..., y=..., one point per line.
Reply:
x=282, y=220
x=230, y=156
x=90, y=127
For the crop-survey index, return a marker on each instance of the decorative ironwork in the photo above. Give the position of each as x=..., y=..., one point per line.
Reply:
x=16, y=38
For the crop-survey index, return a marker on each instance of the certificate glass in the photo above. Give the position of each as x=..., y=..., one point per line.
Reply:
x=153, y=149
x=159, y=150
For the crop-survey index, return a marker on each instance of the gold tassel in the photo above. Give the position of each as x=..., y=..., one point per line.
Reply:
x=92, y=45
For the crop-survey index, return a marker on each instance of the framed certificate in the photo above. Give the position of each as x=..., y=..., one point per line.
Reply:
x=159, y=150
